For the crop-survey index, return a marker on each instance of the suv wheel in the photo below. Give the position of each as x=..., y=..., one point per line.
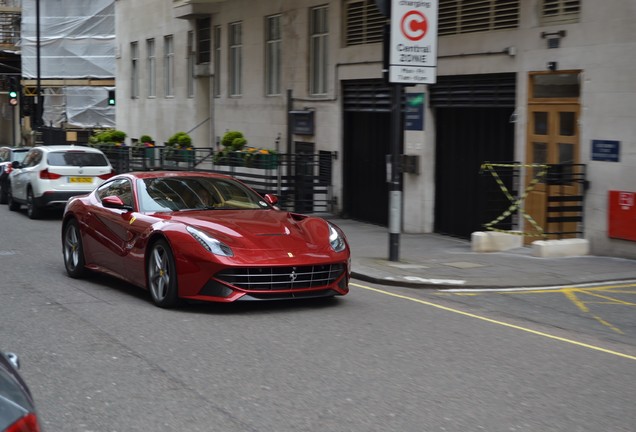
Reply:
x=13, y=206
x=33, y=211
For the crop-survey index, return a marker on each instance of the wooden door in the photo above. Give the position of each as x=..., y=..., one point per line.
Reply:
x=553, y=138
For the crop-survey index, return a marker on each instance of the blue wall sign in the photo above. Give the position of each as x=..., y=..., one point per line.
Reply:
x=606, y=150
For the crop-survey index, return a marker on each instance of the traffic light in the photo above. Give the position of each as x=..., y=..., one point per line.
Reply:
x=111, y=97
x=13, y=97
x=13, y=92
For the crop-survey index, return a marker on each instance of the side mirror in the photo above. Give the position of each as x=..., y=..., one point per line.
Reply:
x=16, y=164
x=115, y=202
x=14, y=359
x=271, y=199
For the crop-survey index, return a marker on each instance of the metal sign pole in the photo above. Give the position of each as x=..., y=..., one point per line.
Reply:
x=39, y=109
x=412, y=60
x=395, y=186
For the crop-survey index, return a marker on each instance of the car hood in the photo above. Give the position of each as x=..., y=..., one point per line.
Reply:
x=261, y=229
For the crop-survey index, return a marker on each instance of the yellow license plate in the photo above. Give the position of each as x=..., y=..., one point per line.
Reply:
x=80, y=180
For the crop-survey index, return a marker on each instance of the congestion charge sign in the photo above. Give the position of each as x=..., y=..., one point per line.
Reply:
x=413, y=46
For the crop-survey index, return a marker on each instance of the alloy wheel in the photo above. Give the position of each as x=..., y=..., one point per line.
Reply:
x=73, y=250
x=162, y=277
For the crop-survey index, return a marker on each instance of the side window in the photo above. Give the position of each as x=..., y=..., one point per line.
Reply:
x=32, y=158
x=120, y=188
x=3, y=155
x=27, y=158
x=37, y=157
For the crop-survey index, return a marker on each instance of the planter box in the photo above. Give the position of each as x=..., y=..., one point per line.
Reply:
x=263, y=161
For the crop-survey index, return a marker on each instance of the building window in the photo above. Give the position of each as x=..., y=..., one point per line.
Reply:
x=560, y=11
x=203, y=40
x=151, y=63
x=191, y=60
x=217, y=61
x=236, y=53
x=134, y=70
x=168, y=66
x=272, y=55
x=365, y=23
x=470, y=16
x=318, y=50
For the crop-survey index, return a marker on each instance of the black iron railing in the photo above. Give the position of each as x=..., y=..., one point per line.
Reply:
x=302, y=182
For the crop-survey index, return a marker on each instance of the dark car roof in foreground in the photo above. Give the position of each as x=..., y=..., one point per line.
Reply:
x=8, y=366
x=15, y=397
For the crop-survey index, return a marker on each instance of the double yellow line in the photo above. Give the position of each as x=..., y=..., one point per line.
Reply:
x=493, y=321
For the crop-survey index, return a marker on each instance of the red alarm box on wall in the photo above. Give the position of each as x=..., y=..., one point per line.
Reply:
x=622, y=215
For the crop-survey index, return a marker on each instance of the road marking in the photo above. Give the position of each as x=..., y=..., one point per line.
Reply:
x=493, y=321
x=572, y=293
x=435, y=281
x=605, y=285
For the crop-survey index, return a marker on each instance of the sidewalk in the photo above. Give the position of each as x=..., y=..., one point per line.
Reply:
x=437, y=261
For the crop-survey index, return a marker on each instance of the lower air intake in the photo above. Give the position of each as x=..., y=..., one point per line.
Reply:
x=282, y=278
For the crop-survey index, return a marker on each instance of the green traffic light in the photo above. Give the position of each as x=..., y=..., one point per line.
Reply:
x=13, y=94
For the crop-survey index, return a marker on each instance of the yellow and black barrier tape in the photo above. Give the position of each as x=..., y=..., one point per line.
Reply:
x=516, y=203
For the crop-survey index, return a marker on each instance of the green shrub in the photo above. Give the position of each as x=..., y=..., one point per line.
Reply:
x=238, y=143
x=118, y=136
x=228, y=139
x=145, y=139
x=180, y=140
x=107, y=137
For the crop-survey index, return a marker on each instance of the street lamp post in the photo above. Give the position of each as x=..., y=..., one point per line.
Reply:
x=38, y=90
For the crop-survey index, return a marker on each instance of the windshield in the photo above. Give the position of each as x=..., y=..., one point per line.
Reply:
x=196, y=193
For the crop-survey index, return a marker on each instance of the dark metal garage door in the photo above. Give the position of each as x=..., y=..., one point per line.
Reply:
x=474, y=123
x=367, y=140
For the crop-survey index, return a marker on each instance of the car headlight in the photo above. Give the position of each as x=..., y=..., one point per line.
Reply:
x=210, y=243
x=336, y=240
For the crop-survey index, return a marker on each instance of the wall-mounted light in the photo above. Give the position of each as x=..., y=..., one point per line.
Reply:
x=553, y=38
x=552, y=66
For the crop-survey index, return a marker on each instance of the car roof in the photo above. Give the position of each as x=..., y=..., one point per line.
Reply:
x=51, y=148
x=15, y=148
x=164, y=174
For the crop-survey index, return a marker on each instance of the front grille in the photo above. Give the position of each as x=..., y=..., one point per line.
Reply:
x=281, y=278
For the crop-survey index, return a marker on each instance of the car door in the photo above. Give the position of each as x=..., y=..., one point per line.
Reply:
x=22, y=177
x=113, y=232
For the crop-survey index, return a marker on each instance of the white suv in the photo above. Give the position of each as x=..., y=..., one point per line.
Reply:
x=50, y=175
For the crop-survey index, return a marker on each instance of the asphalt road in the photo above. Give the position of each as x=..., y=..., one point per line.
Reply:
x=100, y=357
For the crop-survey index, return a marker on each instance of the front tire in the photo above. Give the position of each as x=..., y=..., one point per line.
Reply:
x=33, y=211
x=162, y=275
x=73, y=251
x=13, y=205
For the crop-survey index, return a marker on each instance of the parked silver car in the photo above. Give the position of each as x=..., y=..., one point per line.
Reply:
x=7, y=156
